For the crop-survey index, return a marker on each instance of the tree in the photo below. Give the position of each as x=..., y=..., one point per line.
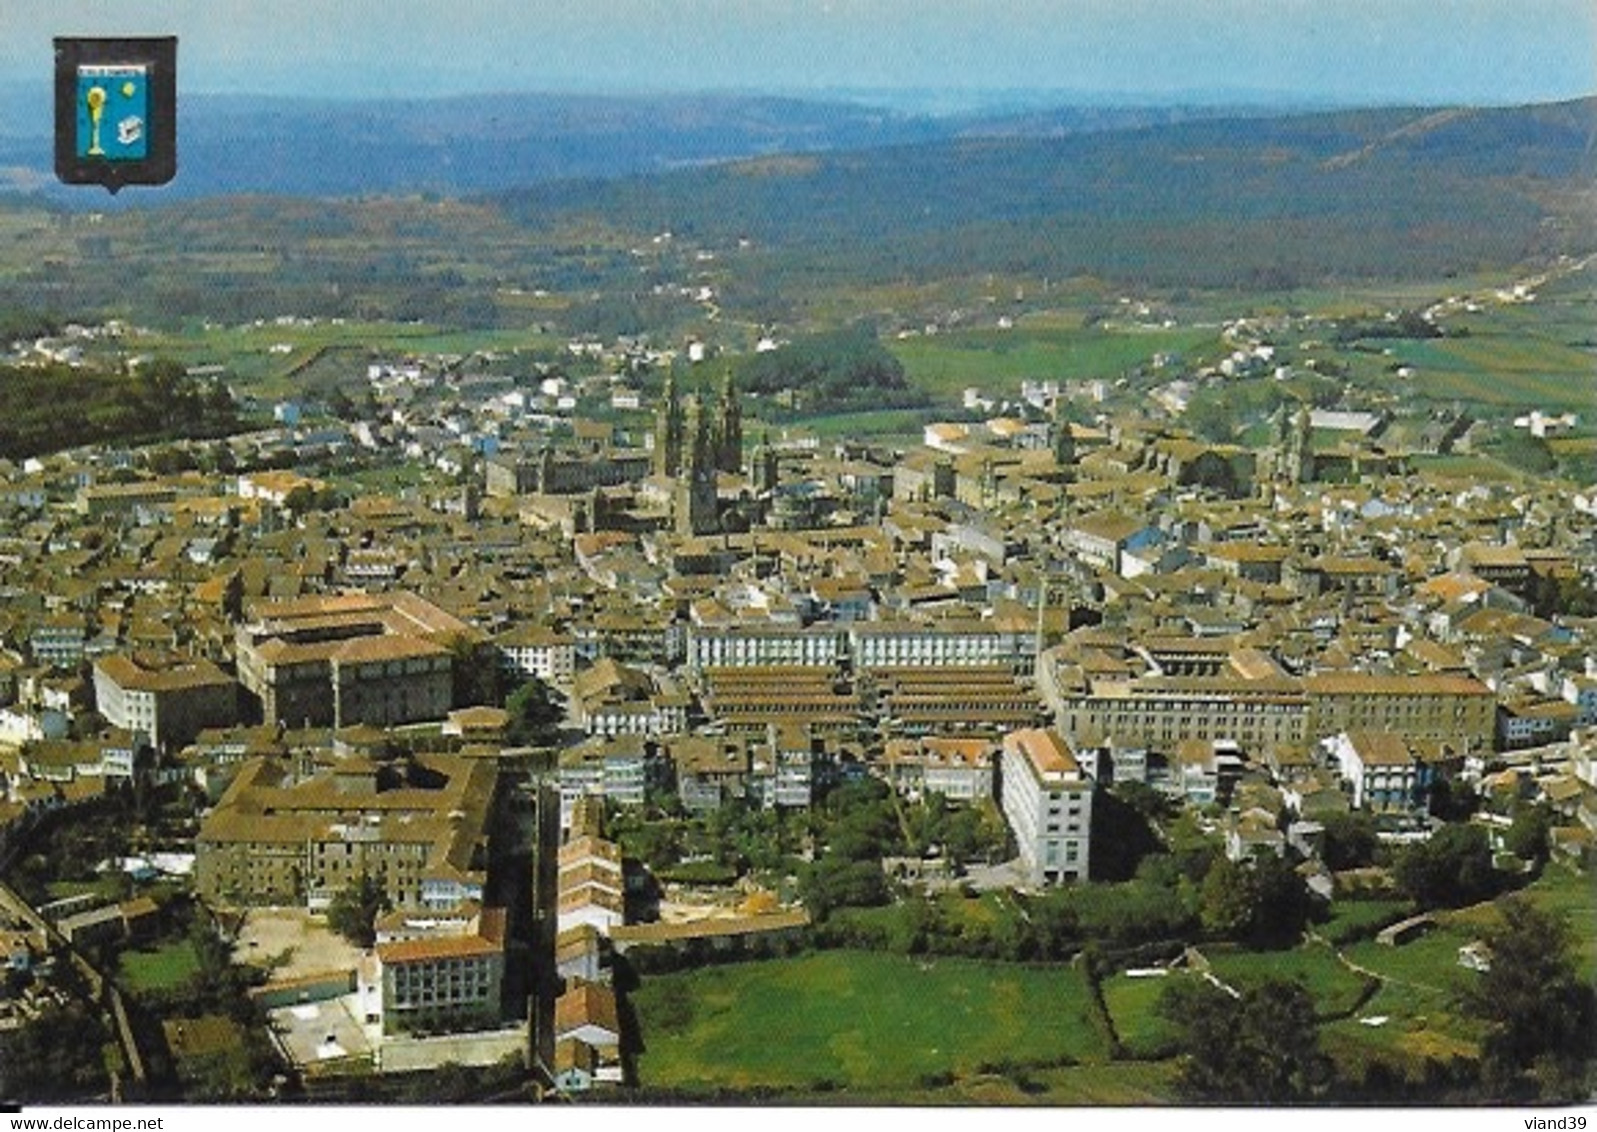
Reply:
x=1227, y=908
x=1452, y=801
x=1281, y=903
x=1350, y=840
x=55, y=1057
x=1263, y=902
x=1122, y=829
x=1262, y=1047
x=835, y=882
x=342, y=406
x=1453, y=867
x=354, y=910
x=1541, y=1016
x=478, y=675
x=864, y=824
x=1527, y=836
x=535, y=715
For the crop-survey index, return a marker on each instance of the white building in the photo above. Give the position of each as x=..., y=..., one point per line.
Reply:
x=1380, y=767
x=944, y=644
x=1047, y=800
x=762, y=646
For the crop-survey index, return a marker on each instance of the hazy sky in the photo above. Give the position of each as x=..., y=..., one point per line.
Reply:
x=1492, y=51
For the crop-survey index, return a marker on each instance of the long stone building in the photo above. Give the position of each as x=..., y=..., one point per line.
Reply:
x=420, y=827
x=378, y=659
x=1259, y=708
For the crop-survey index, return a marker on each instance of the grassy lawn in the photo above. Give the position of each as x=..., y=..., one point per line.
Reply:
x=1354, y=918
x=861, y=1020
x=106, y=888
x=906, y=425
x=1132, y=1004
x=1336, y=989
x=1557, y=890
x=1468, y=467
x=160, y=968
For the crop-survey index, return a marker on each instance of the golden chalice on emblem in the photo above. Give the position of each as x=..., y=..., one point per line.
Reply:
x=96, y=100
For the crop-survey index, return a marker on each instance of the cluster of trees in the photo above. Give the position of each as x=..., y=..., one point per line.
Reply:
x=835, y=849
x=1404, y=324
x=840, y=371
x=735, y=837
x=56, y=1057
x=44, y=410
x=1541, y=1016
x=1216, y=412
x=1187, y=891
x=535, y=714
x=864, y=822
x=1452, y=867
x=1571, y=596
x=354, y=909
x=1262, y=1047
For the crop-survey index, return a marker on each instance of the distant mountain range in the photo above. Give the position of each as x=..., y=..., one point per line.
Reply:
x=478, y=143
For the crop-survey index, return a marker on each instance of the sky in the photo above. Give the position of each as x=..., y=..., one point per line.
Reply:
x=1345, y=51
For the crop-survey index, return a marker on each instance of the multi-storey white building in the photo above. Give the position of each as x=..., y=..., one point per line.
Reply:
x=942, y=644
x=449, y=982
x=1384, y=772
x=1047, y=800
x=617, y=769
x=171, y=705
x=532, y=650
x=759, y=646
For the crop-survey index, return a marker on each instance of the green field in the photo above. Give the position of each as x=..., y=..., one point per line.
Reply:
x=162, y=968
x=1350, y=918
x=905, y=426
x=254, y=356
x=1335, y=988
x=1557, y=890
x=859, y=1020
x=1132, y=1007
x=1512, y=370
x=996, y=361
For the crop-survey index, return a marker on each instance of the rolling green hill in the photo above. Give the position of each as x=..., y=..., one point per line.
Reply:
x=1275, y=202
x=1255, y=205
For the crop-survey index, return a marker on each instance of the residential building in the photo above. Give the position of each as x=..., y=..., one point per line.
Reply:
x=957, y=768
x=171, y=703
x=1390, y=772
x=709, y=770
x=444, y=982
x=531, y=650
x=1450, y=708
x=587, y=1036
x=996, y=642
x=753, y=645
x=1047, y=799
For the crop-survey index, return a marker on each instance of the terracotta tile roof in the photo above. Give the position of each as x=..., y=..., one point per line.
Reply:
x=586, y=1004
x=443, y=947
x=1046, y=750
